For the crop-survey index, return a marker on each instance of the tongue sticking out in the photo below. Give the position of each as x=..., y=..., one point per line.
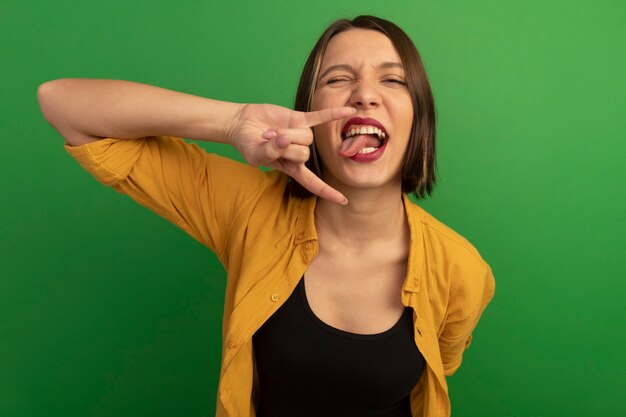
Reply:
x=354, y=144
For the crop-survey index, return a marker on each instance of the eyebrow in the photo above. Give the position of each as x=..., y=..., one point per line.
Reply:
x=346, y=67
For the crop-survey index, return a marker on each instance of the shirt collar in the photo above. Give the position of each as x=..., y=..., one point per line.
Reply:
x=305, y=223
x=416, y=245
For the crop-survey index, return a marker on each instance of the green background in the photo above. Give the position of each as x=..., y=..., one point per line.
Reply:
x=108, y=310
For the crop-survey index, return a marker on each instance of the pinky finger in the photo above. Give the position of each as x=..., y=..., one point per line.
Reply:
x=314, y=184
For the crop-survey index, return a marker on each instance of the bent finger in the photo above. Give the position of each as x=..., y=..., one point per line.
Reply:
x=298, y=136
x=269, y=151
x=297, y=153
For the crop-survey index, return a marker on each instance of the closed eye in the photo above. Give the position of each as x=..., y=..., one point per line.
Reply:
x=337, y=80
x=395, y=81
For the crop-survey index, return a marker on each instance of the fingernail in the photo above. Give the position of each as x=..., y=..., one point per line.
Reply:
x=269, y=134
x=344, y=202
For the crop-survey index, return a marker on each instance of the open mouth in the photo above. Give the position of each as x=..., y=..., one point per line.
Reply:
x=362, y=136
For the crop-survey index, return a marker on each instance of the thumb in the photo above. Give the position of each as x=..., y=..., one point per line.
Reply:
x=279, y=142
x=271, y=150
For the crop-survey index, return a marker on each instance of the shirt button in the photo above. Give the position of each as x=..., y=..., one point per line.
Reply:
x=308, y=245
x=275, y=297
x=232, y=345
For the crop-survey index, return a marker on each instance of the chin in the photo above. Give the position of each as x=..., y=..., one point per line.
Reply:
x=364, y=181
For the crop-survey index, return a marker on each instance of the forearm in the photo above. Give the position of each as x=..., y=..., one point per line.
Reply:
x=122, y=109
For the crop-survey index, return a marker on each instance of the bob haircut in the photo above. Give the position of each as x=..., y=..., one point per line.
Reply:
x=418, y=168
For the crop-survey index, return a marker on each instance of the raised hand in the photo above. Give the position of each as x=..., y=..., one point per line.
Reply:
x=279, y=138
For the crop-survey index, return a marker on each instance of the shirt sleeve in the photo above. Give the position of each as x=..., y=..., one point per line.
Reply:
x=199, y=192
x=469, y=298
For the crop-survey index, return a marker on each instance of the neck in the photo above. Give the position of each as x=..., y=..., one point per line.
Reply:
x=371, y=215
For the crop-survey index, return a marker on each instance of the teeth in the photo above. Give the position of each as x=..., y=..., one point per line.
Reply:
x=367, y=150
x=365, y=130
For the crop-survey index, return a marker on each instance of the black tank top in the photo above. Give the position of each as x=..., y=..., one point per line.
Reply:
x=307, y=368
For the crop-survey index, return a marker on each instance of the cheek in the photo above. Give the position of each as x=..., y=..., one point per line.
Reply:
x=324, y=144
x=321, y=136
x=317, y=101
x=325, y=98
x=406, y=122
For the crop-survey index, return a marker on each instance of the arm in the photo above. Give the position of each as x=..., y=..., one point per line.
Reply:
x=86, y=110
x=470, y=302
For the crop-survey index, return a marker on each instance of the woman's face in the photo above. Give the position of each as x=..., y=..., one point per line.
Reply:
x=362, y=69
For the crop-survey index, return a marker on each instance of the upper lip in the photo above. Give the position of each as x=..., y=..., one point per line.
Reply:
x=362, y=121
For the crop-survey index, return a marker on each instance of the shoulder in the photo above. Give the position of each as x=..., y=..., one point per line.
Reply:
x=454, y=269
x=442, y=240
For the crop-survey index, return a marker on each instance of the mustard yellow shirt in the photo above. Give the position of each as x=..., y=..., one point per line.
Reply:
x=266, y=239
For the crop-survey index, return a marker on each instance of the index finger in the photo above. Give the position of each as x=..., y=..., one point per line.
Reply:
x=314, y=118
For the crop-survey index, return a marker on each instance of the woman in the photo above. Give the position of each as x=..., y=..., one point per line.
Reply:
x=358, y=303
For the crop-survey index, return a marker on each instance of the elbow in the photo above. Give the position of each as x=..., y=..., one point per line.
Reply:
x=59, y=107
x=44, y=97
x=46, y=94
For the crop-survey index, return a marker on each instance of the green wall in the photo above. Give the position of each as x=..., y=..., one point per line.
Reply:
x=108, y=310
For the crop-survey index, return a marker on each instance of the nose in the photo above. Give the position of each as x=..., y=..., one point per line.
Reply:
x=365, y=95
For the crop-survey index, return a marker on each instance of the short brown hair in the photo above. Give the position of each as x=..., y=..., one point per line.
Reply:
x=418, y=168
